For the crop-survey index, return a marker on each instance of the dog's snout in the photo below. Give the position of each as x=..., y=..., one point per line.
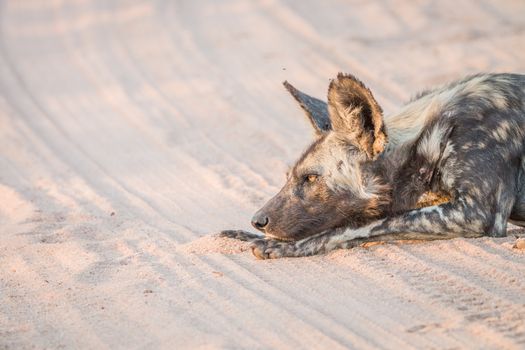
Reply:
x=260, y=221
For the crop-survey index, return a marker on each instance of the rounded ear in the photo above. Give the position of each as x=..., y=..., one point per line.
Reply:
x=355, y=113
x=315, y=109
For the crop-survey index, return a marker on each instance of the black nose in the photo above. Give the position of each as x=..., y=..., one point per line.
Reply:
x=260, y=221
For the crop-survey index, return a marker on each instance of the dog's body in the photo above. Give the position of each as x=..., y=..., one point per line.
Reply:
x=362, y=178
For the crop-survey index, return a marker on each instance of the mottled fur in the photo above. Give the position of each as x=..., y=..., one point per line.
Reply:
x=362, y=178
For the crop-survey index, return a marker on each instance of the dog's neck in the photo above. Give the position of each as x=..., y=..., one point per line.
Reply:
x=398, y=171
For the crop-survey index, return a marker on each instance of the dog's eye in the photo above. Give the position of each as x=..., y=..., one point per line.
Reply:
x=311, y=178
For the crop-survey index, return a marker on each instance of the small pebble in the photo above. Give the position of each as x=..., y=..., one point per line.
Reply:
x=519, y=244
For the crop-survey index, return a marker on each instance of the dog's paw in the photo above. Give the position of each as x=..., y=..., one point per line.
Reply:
x=241, y=235
x=272, y=249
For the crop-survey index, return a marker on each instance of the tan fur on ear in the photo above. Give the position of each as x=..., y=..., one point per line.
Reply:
x=354, y=112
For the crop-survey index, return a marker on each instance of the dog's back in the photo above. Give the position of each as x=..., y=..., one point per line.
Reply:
x=482, y=92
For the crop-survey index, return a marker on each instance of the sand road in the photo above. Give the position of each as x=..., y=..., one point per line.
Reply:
x=132, y=130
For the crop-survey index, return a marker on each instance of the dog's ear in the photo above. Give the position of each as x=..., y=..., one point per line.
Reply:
x=355, y=114
x=315, y=109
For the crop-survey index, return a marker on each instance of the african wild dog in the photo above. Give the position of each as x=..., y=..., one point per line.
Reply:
x=361, y=178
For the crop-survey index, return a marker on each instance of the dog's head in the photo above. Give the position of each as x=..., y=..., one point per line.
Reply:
x=334, y=183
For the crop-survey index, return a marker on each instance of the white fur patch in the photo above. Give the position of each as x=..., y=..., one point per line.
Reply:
x=349, y=234
x=343, y=172
x=499, y=223
x=430, y=146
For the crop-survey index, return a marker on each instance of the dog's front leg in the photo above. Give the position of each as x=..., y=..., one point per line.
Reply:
x=241, y=235
x=274, y=249
x=445, y=221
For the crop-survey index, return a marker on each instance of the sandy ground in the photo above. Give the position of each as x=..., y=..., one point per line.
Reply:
x=130, y=131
